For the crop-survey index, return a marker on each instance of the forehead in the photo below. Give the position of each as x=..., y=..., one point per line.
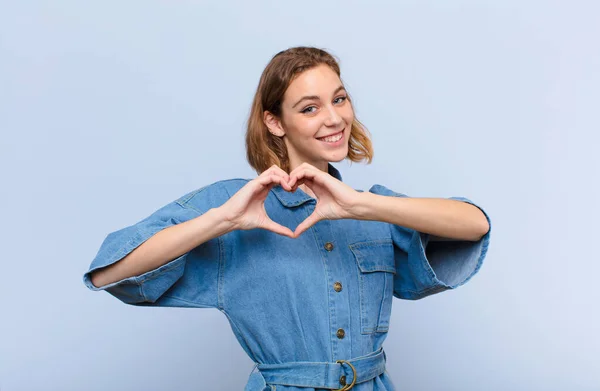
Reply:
x=320, y=81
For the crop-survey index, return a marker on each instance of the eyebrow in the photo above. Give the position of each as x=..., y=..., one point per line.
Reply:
x=316, y=97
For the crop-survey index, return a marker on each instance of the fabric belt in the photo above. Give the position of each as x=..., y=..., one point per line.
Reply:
x=325, y=374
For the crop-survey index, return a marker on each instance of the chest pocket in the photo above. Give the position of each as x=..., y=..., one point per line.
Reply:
x=376, y=269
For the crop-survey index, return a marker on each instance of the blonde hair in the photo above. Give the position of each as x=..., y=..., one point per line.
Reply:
x=263, y=149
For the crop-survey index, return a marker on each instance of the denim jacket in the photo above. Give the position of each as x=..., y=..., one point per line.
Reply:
x=296, y=306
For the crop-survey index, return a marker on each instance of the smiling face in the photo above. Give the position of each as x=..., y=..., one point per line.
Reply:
x=316, y=118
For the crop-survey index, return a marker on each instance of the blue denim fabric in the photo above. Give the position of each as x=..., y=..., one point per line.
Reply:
x=278, y=293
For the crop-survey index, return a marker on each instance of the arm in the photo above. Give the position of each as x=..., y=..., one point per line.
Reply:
x=423, y=267
x=165, y=246
x=445, y=219
x=440, y=218
x=130, y=260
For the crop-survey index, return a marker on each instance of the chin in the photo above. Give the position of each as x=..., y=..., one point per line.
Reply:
x=338, y=157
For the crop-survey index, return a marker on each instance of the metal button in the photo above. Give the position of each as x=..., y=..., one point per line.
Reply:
x=343, y=380
x=328, y=246
x=340, y=333
x=337, y=286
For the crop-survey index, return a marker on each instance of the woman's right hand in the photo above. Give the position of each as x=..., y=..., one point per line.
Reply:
x=246, y=208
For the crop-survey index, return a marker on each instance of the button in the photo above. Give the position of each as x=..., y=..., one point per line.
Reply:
x=343, y=380
x=340, y=333
x=328, y=246
x=337, y=286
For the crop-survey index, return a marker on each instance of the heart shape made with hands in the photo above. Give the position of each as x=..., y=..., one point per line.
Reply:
x=334, y=198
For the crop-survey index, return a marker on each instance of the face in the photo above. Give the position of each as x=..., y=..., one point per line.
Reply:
x=316, y=118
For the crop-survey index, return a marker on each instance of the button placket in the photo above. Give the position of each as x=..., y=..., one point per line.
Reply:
x=337, y=286
x=335, y=268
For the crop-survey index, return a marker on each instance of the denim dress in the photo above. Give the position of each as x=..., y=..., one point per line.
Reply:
x=311, y=312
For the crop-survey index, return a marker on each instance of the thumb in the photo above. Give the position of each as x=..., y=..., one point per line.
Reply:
x=306, y=224
x=277, y=228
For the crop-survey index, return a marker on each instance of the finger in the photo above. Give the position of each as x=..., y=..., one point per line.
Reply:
x=275, y=169
x=296, y=179
x=300, y=173
x=278, y=229
x=272, y=180
x=265, y=184
x=280, y=171
x=306, y=224
x=307, y=181
x=305, y=167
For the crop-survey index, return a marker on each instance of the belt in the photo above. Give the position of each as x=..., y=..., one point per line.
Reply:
x=325, y=374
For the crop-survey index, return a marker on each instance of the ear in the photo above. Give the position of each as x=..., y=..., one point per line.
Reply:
x=274, y=124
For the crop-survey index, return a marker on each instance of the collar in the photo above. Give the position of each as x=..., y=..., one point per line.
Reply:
x=299, y=197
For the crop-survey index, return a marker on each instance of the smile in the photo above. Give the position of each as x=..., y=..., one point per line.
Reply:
x=333, y=138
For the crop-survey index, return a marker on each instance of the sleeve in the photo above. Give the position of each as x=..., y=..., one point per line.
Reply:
x=424, y=267
x=187, y=281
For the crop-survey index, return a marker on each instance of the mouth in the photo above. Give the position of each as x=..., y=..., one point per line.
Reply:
x=333, y=138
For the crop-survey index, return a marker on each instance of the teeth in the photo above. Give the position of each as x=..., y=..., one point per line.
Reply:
x=332, y=139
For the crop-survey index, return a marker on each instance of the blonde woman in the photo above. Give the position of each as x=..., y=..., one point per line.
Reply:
x=303, y=266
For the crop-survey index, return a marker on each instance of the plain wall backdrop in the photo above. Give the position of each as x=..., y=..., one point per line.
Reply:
x=109, y=110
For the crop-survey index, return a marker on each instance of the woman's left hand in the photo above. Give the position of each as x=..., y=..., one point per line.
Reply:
x=335, y=199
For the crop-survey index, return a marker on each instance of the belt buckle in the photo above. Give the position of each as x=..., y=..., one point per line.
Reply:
x=347, y=387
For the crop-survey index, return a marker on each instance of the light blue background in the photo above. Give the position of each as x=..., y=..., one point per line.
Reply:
x=109, y=110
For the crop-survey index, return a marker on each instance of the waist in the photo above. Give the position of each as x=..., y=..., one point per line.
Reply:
x=339, y=375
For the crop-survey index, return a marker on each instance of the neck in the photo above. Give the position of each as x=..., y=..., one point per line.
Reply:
x=323, y=166
x=307, y=190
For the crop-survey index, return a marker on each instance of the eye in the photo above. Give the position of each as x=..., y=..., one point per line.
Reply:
x=306, y=109
x=341, y=99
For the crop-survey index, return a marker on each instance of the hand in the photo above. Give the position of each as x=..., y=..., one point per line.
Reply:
x=246, y=208
x=335, y=199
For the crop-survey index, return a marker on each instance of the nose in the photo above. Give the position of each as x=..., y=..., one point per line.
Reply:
x=333, y=117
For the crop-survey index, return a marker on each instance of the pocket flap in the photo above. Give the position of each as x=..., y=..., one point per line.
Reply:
x=375, y=255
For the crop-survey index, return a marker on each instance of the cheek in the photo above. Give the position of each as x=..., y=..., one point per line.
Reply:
x=349, y=114
x=348, y=109
x=308, y=126
x=303, y=127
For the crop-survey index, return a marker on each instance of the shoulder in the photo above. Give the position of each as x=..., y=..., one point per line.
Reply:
x=382, y=190
x=212, y=195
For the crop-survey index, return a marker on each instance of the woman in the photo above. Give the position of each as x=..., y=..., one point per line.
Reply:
x=303, y=266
